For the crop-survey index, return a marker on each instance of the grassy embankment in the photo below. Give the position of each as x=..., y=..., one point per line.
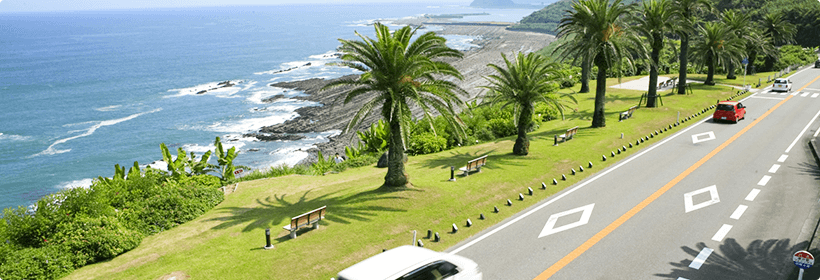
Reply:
x=226, y=242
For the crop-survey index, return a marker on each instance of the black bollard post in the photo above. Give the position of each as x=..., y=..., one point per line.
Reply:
x=452, y=173
x=267, y=238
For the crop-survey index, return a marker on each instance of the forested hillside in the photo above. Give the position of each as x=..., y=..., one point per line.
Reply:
x=804, y=14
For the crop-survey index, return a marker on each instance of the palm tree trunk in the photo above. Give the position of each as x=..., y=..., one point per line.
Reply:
x=598, y=117
x=684, y=60
x=586, y=67
x=750, y=68
x=522, y=144
x=710, y=72
x=396, y=175
x=657, y=44
x=731, y=72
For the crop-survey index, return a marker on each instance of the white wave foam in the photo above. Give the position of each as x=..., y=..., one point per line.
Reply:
x=108, y=108
x=212, y=87
x=13, y=137
x=52, y=151
x=251, y=124
x=84, y=183
x=462, y=42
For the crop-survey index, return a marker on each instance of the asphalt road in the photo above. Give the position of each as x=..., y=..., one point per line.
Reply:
x=713, y=201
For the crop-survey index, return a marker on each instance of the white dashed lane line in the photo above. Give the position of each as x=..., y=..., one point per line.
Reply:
x=739, y=212
x=782, y=158
x=763, y=181
x=701, y=258
x=752, y=195
x=721, y=233
x=774, y=168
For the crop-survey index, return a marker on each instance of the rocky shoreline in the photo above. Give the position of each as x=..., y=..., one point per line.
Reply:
x=334, y=115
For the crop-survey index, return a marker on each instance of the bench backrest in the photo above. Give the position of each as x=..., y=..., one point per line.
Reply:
x=632, y=109
x=572, y=131
x=306, y=218
x=477, y=162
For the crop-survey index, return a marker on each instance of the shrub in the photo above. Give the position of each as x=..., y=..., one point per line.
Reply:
x=502, y=127
x=426, y=143
x=95, y=239
x=33, y=227
x=158, y=207
x=50, y=262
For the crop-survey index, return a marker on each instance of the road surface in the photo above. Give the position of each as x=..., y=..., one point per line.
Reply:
x=713, y=201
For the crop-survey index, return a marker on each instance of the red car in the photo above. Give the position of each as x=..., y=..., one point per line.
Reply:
x=731, y=111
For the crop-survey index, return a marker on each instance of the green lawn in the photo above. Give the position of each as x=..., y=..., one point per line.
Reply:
x=226, y=242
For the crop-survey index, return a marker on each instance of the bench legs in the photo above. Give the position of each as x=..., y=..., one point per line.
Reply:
x=292, y=234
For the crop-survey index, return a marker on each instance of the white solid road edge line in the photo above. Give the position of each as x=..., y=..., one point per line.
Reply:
x=701, y=258
x=804, y=131
x=752, y=195
x=739, y=212
x=721, y=233
x=581, y=185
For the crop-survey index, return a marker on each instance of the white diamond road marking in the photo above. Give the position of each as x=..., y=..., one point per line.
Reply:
x=752, y=195
x=701, y=258
x=721, y=233
x=550, y=227
x=804, y=94
x=774, y=168
x=697, y=137
x=773, y=92
x=784, y=93
x=782, y=158
x=763, y=181
x=739, y=212
x=687, y=198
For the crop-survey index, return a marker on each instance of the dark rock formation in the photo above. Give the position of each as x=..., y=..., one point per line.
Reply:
x=273, y=98
x=275, y=137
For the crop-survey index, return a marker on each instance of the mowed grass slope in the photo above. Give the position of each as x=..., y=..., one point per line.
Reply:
x=362, y=219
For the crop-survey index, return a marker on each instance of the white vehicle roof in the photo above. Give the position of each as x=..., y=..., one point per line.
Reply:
x=398, y=260
x=781, y=80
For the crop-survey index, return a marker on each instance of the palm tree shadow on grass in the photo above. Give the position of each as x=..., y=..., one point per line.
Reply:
x=769, y=259
x=495, y=159
x=341, y=209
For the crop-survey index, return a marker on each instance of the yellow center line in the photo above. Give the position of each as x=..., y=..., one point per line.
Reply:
x=618, y=222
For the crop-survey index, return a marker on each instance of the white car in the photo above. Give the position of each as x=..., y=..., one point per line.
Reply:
x=410, y=262
x=782, y=85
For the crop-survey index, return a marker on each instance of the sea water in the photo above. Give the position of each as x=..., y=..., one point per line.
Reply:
x=83, y=91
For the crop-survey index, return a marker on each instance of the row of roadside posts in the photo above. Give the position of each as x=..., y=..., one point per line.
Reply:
x=803, y=260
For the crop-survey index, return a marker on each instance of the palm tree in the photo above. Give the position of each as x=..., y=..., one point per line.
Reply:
x=657, y=18
x=688, y=10
x=740, y=25
x=610, y=41
x=578, y=38
x=716, y=45
x=396, y=73
x=528, y=80
x=781, y=32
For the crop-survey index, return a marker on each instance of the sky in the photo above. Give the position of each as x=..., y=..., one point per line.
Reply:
x=85, y=5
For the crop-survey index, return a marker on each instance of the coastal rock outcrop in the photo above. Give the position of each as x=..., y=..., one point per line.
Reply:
x=275, y=136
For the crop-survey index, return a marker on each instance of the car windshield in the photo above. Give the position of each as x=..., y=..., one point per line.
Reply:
x=725, y=107
x=779, y=81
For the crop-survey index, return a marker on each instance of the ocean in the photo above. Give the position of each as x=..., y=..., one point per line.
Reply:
x=83, y=91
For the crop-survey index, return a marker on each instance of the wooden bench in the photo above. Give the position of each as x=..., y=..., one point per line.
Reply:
x=474, y=164
x=566, y=136
x=628, y=113
x=306, y=219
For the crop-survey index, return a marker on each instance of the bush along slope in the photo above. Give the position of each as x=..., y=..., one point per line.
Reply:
x=76, y=227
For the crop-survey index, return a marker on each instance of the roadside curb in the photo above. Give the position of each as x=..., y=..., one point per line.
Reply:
x=812, y=247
